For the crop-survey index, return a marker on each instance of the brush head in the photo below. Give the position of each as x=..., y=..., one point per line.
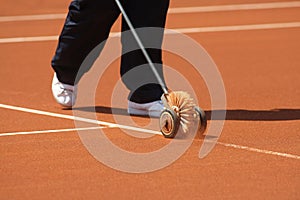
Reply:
x=183, y=105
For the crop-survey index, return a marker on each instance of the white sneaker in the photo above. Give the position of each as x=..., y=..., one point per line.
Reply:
x=64, y=94
x=152, y=109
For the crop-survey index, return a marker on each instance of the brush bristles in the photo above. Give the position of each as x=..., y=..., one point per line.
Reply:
x=183, y=104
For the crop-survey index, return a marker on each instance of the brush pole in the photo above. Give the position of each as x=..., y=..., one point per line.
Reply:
x=139, y=42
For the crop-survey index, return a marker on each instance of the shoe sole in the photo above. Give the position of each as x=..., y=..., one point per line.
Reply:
x=138, y=112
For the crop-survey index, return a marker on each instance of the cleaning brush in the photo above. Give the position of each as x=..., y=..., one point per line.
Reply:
x=183, y=105
x=180, y=102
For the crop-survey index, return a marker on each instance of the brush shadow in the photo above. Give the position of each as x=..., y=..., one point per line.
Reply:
x=257, y=115
x=238, y=114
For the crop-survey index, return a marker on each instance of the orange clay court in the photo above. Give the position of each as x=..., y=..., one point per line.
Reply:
x=255, y=45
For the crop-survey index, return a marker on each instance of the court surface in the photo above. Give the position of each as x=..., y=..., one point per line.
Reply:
x=255, y=45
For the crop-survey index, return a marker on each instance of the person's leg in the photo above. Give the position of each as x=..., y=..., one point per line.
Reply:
x=145, y=13
x=88, y=23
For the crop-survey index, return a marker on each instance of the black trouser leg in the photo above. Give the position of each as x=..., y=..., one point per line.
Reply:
x=88, y=24
x=143, y=13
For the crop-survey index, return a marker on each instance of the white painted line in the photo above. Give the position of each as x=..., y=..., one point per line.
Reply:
x=233, y=7
x=236, y=7
x=181, y=30
x=29, y=39
x=32, y=17
x=112, y=125
x=71, y=117
x=240, y=27
x=286, y=155
x=51, y=131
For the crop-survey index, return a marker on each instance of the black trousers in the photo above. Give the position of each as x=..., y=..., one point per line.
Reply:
x=88, y=23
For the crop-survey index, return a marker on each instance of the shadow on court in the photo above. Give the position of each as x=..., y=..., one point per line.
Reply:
x=238, y=114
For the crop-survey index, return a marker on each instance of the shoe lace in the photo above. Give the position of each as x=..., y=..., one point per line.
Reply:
x=65, y=91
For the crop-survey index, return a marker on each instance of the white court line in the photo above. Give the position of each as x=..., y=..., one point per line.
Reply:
x=50, y=131
x=75, y=118
x=32, y=17
x=233, y=7
x=286, y=155
x=29, y=39
x=111, y=125
x=236, y=7
x=181, y=30
x=240, y=27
